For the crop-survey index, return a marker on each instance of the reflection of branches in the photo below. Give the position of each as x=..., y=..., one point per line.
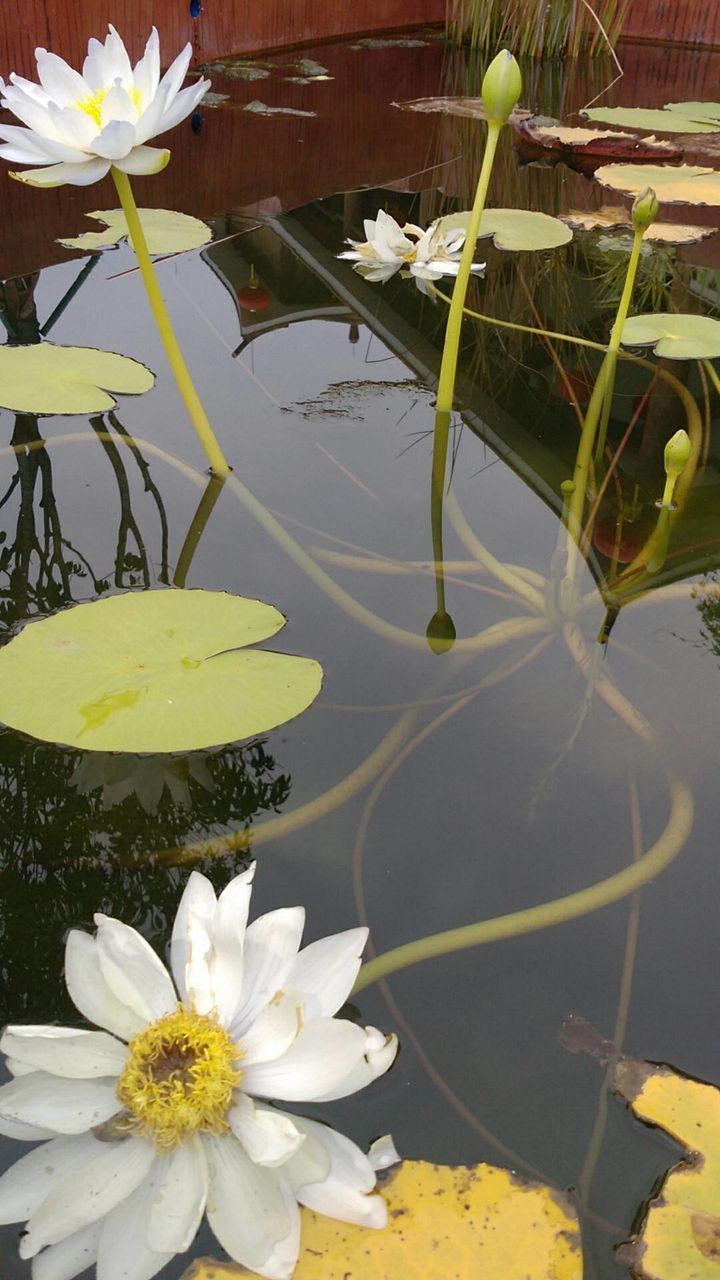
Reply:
x=151, y=488
x=128, y=524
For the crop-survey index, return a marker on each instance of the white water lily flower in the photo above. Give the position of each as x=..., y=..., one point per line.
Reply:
x=425, y=255
x=163, y=1115
x=85, y=123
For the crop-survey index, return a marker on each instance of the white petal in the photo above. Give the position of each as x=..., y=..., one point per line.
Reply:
x=380, y=1053
x=66, y=1106
x=90, y=992
x=37, y=115
x=34, y=91
x=78, y=175
x=326, y=971
x=24, y=1132
x=175, y=75
x=269, y=1137
x=324, y=1055
x=117, y=62
x=59, y=81
x=123, y=1252
x=383, y=1153
x=227, y=933
x=40, y=150
x=18, y=1068
x=251, y=1212
x=144, y=160
x=275, y=1029
x=271, y=945
x=179, y=1202
x=115, y=141
x=68, y=1259
x=133, y=971
x=90, y=1193
x=16, y=155
x=117, y=105
x=75, y=128
x=147, y=71
x=199, y=898
x=28, y=1182
x=345, y=1191
x=198, y=984
x=64, y=1052
x=183, y=105
x=148, y=124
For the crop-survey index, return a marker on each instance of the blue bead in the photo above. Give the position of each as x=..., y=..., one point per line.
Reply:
x=195, y=8
x=196, y=121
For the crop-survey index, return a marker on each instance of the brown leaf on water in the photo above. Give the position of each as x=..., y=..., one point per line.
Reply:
x=610, y=217
x=472, y=108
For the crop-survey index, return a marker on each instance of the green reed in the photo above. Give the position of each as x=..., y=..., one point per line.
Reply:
x=547, y=28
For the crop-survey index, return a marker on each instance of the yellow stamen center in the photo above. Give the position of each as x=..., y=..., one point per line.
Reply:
x=179, y=1078
x=92, y=106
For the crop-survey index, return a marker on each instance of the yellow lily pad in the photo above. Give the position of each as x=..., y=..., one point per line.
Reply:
x=153, y=671
x=646, y=118
x=473, y=1223
x=49, y=379
x=165, y=231
x=680, y=1235
x=672, y=184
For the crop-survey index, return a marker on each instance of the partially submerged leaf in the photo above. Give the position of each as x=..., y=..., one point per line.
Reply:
x=261, y=109
x=49, y=379
x=696, y=110
x=576, y=137
x=680, y=1235
x=674, y=336
x=611, y=216
x=470, y=108
x=475, y=1223
x=165, y=231
x=153, y=671
x=684, y=184
x=645, y=118
x=516, y=230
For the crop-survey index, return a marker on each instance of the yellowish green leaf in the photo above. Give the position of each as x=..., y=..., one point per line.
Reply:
x=49, y=379
x=516, y=230
x=153, y=671
x=674, y=336
x=478, y=1223
x=681, y=184
x=696, y=110
x=645, y=118
x=680, y=1236
x=165, y=231
x=576, y=137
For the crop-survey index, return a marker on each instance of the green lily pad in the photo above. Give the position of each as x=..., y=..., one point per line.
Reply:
x=676, y=337
x=165, y=231
x=696, y=110
x=49, y=379
x=153, y=671
x=516, y=230
x=672, y=184
x=645, y=118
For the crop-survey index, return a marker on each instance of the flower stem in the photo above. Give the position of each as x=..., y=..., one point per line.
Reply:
x=448, y=368
x=193, y=404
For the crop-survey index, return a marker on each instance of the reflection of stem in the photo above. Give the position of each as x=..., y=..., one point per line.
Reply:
x=437, y=489
x=200, y=420
x=128, y=523
x=205, y=508
x=623, y=1009
x=151, y=488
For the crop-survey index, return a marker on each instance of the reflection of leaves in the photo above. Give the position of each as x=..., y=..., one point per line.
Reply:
x=50, y=379
x=154, y=671
x=708, y=603
x=443, y=1221
x=680, y=1236
x=165, y=231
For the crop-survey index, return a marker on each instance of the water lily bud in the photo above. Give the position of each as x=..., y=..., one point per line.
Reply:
x=441, y=633
x=677, y=454
x=644, y=209
x=501, y=87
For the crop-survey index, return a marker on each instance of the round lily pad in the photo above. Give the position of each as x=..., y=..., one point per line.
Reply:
x=515, y=230
x=49, y=379
x=672, y=184
x=165, y=231
x=153, y=671
x=651, y=118
x=676, y=337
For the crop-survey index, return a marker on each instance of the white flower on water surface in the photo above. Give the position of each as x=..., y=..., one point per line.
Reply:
x=80, y=125
x=425, y=255
x=163, y=1115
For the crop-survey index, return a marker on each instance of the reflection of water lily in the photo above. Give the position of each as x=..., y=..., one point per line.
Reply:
x=145, y=777
x=156, y=1119
x=82, y=124
x=425, y=255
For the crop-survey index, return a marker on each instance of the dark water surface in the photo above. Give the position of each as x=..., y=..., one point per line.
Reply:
x=511, y=794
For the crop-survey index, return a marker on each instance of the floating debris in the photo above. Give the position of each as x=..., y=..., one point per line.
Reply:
x=262, y=109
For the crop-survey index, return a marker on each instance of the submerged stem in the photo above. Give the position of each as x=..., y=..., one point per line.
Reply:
x=193, y=404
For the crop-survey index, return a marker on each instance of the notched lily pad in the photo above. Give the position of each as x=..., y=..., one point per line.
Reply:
x=165, y=231
x=646, y=118
x=153, y=671
x=611, y=217
x=681, y=184
x=515, y=230
x=474, y=1221
x=675, y=337
x=49, y=379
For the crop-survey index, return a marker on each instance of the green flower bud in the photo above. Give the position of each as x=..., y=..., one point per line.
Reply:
x=441, y=633
x=677, y=454
x=501, y=87
x=644, y=209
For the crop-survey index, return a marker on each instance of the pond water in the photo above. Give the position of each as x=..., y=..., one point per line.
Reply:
x=422, y=790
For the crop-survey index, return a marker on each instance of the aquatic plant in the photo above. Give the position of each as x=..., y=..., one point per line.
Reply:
x=98, y=123
x=548, y=28
x=424, y=255
x=158, y=1118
